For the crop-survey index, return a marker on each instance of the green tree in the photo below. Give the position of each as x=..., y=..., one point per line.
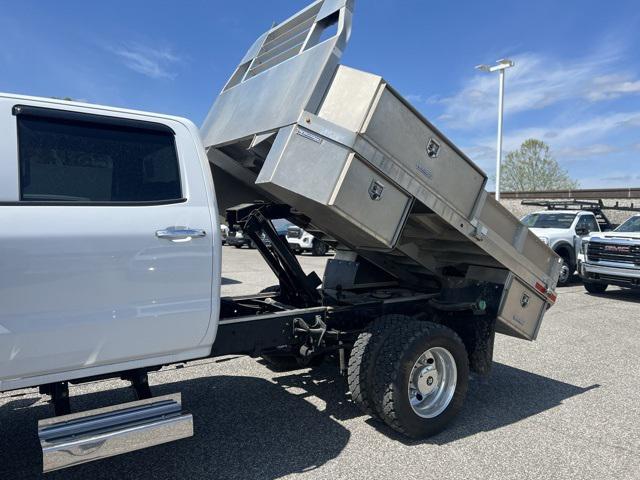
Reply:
x=533, y=168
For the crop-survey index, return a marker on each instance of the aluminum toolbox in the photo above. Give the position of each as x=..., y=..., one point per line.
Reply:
x=345, y=149
x=337, y=185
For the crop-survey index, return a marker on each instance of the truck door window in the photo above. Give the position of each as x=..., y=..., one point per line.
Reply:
x=587, y=224
x=591, y=223
x=63, y=160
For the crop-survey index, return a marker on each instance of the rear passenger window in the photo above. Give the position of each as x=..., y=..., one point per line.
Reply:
x=65, y=160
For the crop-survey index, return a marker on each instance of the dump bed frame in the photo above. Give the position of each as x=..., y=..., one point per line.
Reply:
x=363, y=166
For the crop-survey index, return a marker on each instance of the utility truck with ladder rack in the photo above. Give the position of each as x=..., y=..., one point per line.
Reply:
x=566, y=226
x=111, y=267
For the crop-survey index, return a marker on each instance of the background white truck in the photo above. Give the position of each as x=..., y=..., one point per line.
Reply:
x=562, y=229
x=612, y=258
x=566, y=225
x=111, y=251
x=302, y=241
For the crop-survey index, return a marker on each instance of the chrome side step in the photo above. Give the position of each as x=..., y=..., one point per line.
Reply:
x=105, y=432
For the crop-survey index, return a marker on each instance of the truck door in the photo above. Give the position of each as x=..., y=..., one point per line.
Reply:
x=106, y=246
x=586, y=225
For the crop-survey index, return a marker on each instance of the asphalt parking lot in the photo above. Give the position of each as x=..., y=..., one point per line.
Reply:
x=565, y=406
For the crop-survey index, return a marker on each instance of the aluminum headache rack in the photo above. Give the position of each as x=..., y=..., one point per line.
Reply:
x=346, y=151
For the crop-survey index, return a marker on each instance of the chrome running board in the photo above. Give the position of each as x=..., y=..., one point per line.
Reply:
x=105, y=432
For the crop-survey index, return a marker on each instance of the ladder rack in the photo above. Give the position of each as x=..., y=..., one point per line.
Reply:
x=596, y=207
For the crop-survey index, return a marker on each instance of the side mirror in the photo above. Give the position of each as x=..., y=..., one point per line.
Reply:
x=582, y=231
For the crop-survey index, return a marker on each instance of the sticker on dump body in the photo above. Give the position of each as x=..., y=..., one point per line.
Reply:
x=308, y=135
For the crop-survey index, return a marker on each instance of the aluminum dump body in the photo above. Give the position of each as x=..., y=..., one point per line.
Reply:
x=342, y=147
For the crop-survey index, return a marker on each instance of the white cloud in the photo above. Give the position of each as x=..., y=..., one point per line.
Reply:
x=536, y=82
x=612, y=86
x=615, y=179
x=414, y=98
x=480, y=152
x=621, y=177
x=592, y=129
x=596, y=150
x=570, y=140
x=152, y=62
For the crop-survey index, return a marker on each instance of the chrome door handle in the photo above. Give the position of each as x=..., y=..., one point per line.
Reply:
x=180, y=233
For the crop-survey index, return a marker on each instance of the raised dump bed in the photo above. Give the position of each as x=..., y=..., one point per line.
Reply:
x=344, y=149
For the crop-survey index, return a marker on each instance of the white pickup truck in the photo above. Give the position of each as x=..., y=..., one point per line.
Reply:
x=302, y=241
x=563, y=231
x=612, y=258
x=111, y=251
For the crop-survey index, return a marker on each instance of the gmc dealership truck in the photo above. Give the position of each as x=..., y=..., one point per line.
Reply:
x=612, y=258
x=111, y=245
x=567, y=225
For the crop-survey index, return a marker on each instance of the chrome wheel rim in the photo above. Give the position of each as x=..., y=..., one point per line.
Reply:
x=432, y=382
x=564, y=273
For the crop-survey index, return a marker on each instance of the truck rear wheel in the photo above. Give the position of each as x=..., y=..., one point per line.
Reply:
x=363, y=357
x=319, y=248
x=420, y=378
x=595, y=287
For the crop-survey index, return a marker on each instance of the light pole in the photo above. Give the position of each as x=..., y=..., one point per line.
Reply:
x=501, y=66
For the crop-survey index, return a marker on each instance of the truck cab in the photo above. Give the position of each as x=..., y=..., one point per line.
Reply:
x=112, y=257
x=563, y=231
x=612, y=258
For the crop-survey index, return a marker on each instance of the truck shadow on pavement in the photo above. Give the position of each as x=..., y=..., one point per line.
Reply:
x=245, y=428
x=508, y=396
x=623, y=295
x=631, y=295
x=252, y=428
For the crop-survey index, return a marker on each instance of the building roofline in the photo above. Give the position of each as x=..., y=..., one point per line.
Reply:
x=585, y=194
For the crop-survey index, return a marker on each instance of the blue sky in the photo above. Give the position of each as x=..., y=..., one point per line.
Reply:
x=576, y=84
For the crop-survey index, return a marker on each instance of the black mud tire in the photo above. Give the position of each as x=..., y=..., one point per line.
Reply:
x=362, y=360
x=287, y=363
x=319, y=248
x=392, y=369
x=595, y=287
x=238, y=246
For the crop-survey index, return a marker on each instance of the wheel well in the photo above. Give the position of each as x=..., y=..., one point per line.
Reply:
x=566, y=252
